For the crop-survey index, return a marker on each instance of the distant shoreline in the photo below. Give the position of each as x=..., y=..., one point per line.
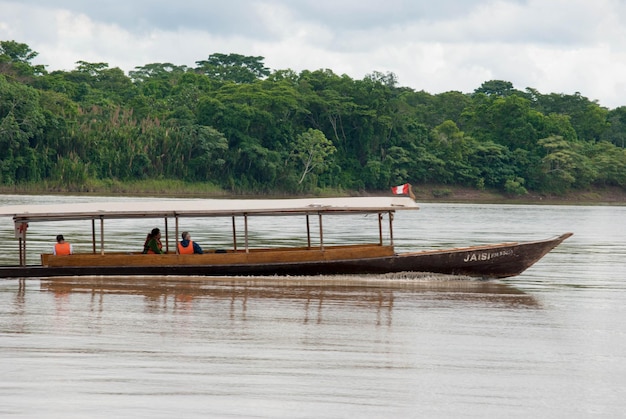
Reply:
x=423, y=193
x=604, y=196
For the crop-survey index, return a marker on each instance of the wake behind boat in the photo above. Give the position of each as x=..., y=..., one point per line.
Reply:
x=315, y=258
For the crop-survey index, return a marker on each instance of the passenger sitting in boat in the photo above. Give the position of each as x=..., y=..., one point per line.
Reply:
x=188, y=247
x=62, y=247
x=153, y=242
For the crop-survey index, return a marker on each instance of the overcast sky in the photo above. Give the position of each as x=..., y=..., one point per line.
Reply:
x=554, y=46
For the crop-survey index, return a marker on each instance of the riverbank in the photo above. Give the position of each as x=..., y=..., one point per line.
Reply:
x=435, y=193
x=423, y=193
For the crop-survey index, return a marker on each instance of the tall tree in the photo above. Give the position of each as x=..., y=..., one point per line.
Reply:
x=312, y=149
x=21, y=121
x=233, y=67
x=498, y=88
x=616, y=132
x=18, y=56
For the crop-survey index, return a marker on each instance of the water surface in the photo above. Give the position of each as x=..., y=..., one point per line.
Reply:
x=548, y=343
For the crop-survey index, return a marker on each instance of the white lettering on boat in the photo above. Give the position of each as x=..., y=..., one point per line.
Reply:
x=482, y=256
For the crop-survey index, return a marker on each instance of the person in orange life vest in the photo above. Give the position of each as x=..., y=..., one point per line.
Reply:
x=188, y=247
x=62, y=247
x=153, y=242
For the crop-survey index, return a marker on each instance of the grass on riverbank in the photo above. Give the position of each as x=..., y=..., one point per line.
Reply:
x=423, y=193
x=158, y=187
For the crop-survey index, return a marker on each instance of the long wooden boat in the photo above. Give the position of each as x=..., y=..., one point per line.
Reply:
x=315, y=258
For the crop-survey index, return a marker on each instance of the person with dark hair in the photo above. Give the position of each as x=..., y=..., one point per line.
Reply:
x=188, y=247
x=62, y=247
x=153, y=243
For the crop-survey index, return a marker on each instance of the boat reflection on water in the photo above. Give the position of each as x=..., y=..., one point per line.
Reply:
x=377, y=293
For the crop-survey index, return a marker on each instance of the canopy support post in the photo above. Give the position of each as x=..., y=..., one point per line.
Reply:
x=245, y=228
x=321, y=232
x=101, y=235
x=308, y=232
x=20, y=233
x=176, y=232
x=234, y=235
x=167, y=241
x=22, y=246
x=391, y=227
x=93, y=236
x=380, y=228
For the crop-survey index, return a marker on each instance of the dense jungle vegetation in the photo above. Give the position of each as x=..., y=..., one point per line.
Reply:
x=232, y=123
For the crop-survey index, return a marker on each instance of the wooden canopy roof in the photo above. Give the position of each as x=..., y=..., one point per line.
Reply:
x=204, y=208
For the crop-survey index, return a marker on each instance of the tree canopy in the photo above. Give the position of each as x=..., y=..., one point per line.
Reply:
x=234, y=123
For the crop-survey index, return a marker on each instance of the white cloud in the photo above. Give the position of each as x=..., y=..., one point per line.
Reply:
x=555, y=46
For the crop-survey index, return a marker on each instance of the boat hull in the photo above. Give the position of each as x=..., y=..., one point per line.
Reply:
x=489, y=261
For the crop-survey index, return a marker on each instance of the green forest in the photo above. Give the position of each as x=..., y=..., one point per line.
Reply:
x=240, y=127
